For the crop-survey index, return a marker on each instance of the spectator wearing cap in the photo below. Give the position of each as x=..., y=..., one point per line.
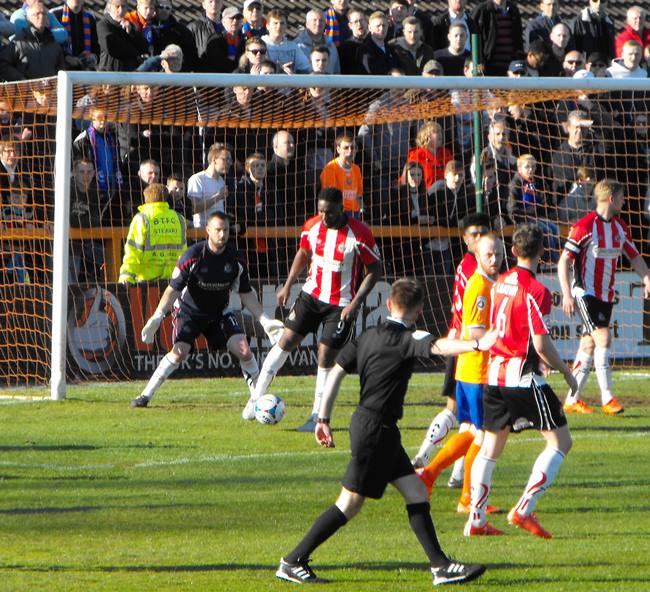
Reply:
x=635, y=30
x=287, y=56
x=231, y=21
x=598, y=64
x=314, y=36
x=169, y=61
x=347, y=49
x=540, y=26
x=254, y=24
x=121, y=45
x=19, y=20
x=593, y=29
x=170, y=31
x=375, y=56
x=456, y=13
x=500, y=33
x=432, y=68
x=209, y=40
x=410, y=50
x=536, y=57
x=629, y=64
x=559, y=38
x=454, y=55
x=33, y=53
x=517, y=69
x=336, y=21
x=82, y=47
x=397, y=12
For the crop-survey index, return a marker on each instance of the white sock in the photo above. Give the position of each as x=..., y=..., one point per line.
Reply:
x=603, y=373
x=439, y=428
x=274, y=361
x=251, y=371
x=581, y=370
x=544, y=471
x=482, y=470
x=165, y=369
x=321, y=379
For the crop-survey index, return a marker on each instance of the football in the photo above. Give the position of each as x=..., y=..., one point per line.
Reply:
x=269, y=409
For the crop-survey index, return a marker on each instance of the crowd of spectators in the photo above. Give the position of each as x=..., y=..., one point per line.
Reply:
x=539, y=162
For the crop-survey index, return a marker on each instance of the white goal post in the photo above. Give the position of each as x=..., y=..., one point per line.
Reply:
x=67, y=80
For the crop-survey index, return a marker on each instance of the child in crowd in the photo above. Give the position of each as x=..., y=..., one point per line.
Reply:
x=578, y=202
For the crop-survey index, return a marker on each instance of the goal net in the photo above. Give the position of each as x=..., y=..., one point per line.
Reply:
x=270, y=140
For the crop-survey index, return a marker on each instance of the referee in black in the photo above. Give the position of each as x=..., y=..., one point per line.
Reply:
x=384, y=356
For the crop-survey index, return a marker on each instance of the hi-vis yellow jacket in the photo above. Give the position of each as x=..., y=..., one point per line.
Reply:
x=156, y=239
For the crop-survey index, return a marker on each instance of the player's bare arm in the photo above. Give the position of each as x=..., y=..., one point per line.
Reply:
x=639, y=265
x=565, y=273
x=546, y=349
x=300, y=261
x=452, y=347
x=323, y=432
x=373, y=274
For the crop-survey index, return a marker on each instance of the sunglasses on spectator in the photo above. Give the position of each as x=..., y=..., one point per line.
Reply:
x=258, y=51
x=575, y=62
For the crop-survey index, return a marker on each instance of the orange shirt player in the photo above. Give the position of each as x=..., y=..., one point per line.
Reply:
x=343, y=174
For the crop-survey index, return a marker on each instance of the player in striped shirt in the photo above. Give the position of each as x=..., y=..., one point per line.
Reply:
x=336, y=247
x=517, y=396
x=591, y=256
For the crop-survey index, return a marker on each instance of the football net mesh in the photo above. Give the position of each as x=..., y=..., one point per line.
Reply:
x=137, y=134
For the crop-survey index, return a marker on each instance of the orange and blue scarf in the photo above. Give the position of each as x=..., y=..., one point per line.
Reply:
x=67, y=25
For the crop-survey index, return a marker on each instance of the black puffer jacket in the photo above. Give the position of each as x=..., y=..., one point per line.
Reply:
x=31, y=55
x=119, y=51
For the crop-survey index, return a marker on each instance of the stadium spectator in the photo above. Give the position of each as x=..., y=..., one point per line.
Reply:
x=587, y=271
x=348, y=48
x=156, y=239
x=527, y=204
x=254, y=24
x=540, y=26
x=87, y=210
x=454, y=55
x=597, y=64
x=7, y=28
x=578, y=202
x=517, y=69
x=231, y=20
x=536, y=57
x=500, y=32
x=206, y=189
x=313, y=36
x=425, y=20
x=11, y=123
x=170, y=31
x=253, y=56
x=331, y=296
x=121, y=47
x=142, y=20
x=20, y=22
x=528, y=132
x=82, y=47
x=33, y=53
x=456, y=13
x=573, y=61
x=336, y=21
x=559, y=41
x=11, y=173
x=178, y=196
x=397, y=12
x=319, y=58
x=635, y=30
x=410, y=50
x=209, y=40
x=593, y=30
x=344, y=175
x=16, y=212
x=286, y=54
x=199, y=290
x=169, y=61
x=430, y=153
x=432, y=68
x=374, y=55
x=629, y=64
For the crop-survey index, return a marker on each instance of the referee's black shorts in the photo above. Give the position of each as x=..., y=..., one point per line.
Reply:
x=378, y=457
x=595, y=313
x=307, y=314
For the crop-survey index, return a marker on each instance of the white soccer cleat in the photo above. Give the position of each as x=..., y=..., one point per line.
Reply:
x=249, y=411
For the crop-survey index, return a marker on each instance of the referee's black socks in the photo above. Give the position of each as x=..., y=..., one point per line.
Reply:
x=323, y=528
x=422, y=526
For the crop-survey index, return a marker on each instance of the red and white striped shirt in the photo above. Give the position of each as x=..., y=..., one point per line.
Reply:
x=596, y=244
x=519, y=305
x=336, y=258
x=464, y=271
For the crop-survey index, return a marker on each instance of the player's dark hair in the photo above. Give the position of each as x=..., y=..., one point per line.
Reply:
x=528, y=239
x=331, y=195
x=407, y=294
x=220, y=216
x=475, y=219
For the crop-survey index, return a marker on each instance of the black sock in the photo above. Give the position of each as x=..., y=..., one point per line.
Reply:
x=323, y=528
x=422, y=526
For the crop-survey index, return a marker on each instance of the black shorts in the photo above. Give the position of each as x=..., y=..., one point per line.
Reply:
x=187, y=327
x=533, y=407
x=595, y=313
x=378, y=457
x=308, y=313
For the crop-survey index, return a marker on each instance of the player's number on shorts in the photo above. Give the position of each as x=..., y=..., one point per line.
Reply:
x=500, y=321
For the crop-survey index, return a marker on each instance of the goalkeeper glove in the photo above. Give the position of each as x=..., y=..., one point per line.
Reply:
x=151, y=328
x=272, y=327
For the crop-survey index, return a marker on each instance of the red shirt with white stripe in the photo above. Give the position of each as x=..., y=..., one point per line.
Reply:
x=519, y=305
x=464, y=271
x=337, y=255
x=596, y=244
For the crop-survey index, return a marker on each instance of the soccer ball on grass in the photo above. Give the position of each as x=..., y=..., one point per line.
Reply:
x=269, y=409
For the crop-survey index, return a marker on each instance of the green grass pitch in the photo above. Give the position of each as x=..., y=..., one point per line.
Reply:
x=185, y=495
